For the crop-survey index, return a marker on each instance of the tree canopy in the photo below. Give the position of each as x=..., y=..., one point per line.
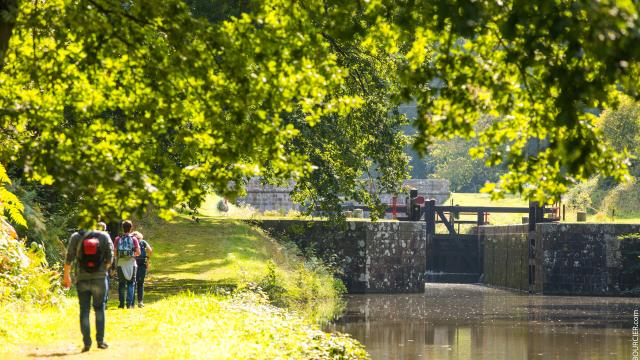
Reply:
x=124, y=104
x=621, y=129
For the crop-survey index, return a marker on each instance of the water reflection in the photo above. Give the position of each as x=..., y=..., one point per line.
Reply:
x=473, y=322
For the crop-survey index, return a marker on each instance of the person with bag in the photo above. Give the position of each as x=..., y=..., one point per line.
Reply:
x=126, y=248
x=91, y=251
x=102, y=226
x=143, y=262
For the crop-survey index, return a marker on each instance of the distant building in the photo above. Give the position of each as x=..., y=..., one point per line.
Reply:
x=270, y=197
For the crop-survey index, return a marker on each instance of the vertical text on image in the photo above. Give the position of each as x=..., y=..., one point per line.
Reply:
x=634, y=335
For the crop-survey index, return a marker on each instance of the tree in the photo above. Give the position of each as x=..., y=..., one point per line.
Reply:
x=360, y=155
x=348, y=153
x=536, y=65
x=621, y=129
x=450, y=160
x=126, y=104
x=118, y=105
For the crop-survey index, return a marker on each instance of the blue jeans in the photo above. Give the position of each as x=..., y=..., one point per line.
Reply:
x=88, y=289
x=123, y=284
x=140, y=275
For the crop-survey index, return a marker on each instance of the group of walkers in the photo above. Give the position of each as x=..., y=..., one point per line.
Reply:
x=95, y=255
x=132, y=261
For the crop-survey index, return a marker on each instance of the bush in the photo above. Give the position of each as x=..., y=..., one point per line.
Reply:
x=624, y=198
x=43, y=228
x=579, y=197
x=292, y=213
x=24, y=272
x=272, y=285
x=270, y=213
x=302, y=283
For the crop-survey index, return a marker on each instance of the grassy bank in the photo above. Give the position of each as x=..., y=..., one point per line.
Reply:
x=188, y=312
x=224, y=254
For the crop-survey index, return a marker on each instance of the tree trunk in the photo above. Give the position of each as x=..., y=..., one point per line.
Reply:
x=8, y=15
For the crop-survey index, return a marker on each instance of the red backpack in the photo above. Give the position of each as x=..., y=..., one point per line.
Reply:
x=90, y=255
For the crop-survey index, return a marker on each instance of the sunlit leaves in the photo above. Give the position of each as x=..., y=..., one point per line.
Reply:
x=9, y=203
x=121, y=107
x=538, y=66
x=109, y=101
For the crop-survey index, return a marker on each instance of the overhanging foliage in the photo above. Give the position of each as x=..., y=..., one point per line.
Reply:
x=126, y=104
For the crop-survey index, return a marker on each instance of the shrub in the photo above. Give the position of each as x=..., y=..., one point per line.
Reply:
x=24, y=272
x=222, y=206
x=271, y=213
x=623, y=198
x=308, y=341
x=580, y=198
x=293, y=213
x=43, y=227
x=272, y=285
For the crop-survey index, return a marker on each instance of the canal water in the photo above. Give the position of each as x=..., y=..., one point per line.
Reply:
x=451, y=321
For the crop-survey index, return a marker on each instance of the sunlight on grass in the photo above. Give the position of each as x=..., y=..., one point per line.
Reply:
x=208, y=259
x=183, y=326
x=210, y=250
x=478, y=199
x=210, y=209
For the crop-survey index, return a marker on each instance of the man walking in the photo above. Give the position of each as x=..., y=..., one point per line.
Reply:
x=92, y=252
x=126, y=249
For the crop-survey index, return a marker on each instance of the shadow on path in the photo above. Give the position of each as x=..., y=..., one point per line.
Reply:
x=55, y=354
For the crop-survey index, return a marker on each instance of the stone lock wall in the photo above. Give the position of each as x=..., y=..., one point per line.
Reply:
x=395, y=256
x=373, y=257
x=269, y=197
x=570, y=258
x=505, y=255
x=588, y=258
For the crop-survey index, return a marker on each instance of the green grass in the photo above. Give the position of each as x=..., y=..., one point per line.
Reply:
x=211, y=252
x=476, y=199
x=188, y=314
x=225, y=254
x=209, y=209
x=479, y=199
x=631, y=217
x=184, y=326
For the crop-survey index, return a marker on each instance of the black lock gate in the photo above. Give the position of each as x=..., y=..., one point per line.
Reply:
x=457, y=258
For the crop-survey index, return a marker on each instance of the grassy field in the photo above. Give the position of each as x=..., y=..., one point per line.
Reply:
x=477, y=199
x=188, y=315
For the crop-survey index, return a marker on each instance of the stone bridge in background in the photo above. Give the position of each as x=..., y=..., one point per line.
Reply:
x=270, y=197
